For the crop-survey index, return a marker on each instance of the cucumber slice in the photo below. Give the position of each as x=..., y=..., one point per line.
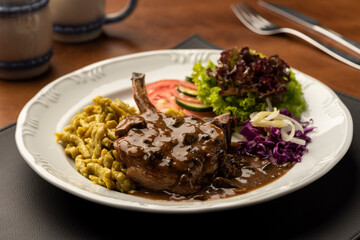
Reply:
x=189, y=79
x=187, y=91
x=196, y=107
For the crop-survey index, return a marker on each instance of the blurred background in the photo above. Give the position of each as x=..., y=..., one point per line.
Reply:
x=161, y=24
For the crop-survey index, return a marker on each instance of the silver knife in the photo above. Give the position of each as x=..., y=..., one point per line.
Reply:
x=311, y=24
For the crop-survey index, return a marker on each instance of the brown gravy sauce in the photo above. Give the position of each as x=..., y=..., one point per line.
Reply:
x=254, y=173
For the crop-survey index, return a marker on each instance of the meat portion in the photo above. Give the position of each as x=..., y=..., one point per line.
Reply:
x=226, y=123
x=172, y=153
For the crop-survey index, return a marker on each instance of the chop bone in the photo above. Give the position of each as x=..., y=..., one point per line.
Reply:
x=172, y=153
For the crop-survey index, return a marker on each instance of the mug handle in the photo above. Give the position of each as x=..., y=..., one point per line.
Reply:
x=121, y=15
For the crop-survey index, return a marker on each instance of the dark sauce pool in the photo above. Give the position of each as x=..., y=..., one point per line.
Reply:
x=251, y=173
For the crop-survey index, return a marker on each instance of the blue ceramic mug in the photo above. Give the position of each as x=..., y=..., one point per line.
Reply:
x=25, y=38
x=82, y=20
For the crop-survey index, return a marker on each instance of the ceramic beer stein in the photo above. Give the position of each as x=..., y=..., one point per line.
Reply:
x=25, y=38
x=81, y=20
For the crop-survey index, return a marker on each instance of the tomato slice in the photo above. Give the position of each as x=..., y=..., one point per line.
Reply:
x=187, y=84
x=162, y=94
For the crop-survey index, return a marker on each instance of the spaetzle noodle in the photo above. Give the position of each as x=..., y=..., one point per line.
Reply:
x=89, y=141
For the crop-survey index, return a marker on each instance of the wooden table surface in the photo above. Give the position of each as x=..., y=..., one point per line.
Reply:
x=161, y=24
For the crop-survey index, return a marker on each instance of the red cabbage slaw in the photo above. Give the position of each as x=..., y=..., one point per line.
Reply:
x=268, y=144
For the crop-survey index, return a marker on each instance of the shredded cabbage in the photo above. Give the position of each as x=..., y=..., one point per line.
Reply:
x=287, y=124
x=268, y=142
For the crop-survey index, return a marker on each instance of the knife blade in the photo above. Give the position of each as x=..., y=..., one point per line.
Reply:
x=311, y=23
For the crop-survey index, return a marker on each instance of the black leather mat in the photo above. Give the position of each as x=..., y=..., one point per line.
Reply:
x=31, y=208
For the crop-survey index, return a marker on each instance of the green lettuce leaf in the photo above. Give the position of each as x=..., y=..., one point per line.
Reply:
x=242, y=107
x=293, y=98
x=208, y=93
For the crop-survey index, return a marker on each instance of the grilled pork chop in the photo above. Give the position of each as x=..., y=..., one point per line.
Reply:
x=172, y=153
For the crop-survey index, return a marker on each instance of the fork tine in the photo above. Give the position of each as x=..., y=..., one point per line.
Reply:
x=239, y=12
x=255, y=14
x=250, y=18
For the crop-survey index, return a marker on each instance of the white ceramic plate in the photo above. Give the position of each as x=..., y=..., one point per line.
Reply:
x=53, y=107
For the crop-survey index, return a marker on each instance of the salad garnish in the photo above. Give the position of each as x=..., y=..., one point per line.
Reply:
x=244, y=82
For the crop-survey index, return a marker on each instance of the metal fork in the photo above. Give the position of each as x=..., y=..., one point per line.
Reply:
x=256, y=23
